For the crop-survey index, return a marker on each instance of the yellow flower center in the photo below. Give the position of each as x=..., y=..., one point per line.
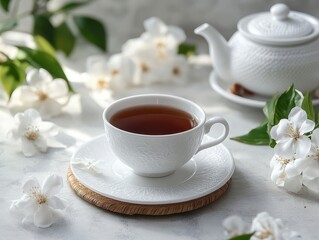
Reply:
x=160, y=44
x=114, y=72
x=42, y=96
x=285, y=162
x=102, y=83
x=32, y=133
x=264, y=235
x=292, y=133
x=176, y=71
x=144, y=68
x=38, y=196
x=41, y=199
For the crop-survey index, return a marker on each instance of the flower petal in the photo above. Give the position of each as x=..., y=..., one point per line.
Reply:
x=52, y=185
x=293, y=184
x=177, y=33
x=279, y=130
x=311, y=183
x=285, y=148
x=43, y=217
x=35, y=76
x=315, y=137
x=291, y=170
x=41, y=143
x=57, y=89
x=306, y=126
x=312, y=171
x=234, y=226
x=96, y=66
x=302, y=163
x=302, y=145
x=26, y=205
x=297, y=116
x=24, y=94
x=21, y=124
x=277, y=174
x=30, y=185
x=57, y=203
x=32, y=116
x=274, y=161
x=155, y=26
x=50, y=108
x=28, y=148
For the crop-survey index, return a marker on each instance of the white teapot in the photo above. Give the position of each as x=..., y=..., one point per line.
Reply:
x=269, y=52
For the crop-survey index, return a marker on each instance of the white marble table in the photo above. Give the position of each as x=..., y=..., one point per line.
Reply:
x=251, y=191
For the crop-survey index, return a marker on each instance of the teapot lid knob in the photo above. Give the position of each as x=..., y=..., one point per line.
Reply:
x=280, y=11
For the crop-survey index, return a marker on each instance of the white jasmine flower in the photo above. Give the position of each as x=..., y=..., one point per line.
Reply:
x=310, y=176
x=112, y=75
x=286, y=172
x=121, y=70
x=92, y=166
x=33, y=134
x=38, y=203
x=96, y=77
x=144, y=57
x=43, y=93
x=234, y=226
x=155, y=54
x=289, y=134
x=164, y=39
x=269, y=228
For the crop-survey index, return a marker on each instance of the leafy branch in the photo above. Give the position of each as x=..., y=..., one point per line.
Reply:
x=13, y=71
x=276, y=109
x=60, y=36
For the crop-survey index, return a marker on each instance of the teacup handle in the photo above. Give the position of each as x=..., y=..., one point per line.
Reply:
x=207, y=127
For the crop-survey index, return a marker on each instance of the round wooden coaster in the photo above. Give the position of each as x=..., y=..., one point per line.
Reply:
x=132, y=209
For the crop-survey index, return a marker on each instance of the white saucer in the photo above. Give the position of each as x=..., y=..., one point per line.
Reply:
x=205, y=173
x=222, y=88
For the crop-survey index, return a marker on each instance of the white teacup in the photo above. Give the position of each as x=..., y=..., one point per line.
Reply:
x=159, y=155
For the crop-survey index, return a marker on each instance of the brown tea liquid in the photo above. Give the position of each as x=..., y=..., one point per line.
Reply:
x=153, y=120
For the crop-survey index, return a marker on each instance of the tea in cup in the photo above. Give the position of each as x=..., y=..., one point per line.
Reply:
x=155, y=134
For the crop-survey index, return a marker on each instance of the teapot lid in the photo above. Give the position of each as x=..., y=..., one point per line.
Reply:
x=280, y=26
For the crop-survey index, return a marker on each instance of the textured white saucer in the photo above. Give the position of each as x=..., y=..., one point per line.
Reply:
x=205, y=173
x=222, y=88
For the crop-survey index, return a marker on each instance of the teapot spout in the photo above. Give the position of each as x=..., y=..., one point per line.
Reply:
x=218, y=49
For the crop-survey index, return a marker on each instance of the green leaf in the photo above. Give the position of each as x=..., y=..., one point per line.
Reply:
x=243, y=237
x=41, y=59
x=186, y=49
x=43, y=27
x=5, y=4
x=269, y=108
x=7, y=25
x=70, y=6
x=308, y=107
x=257, y=136
x=64, y=39
x=44, y=45
x=286, y=101
x=92, y=30
x=11, y=76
